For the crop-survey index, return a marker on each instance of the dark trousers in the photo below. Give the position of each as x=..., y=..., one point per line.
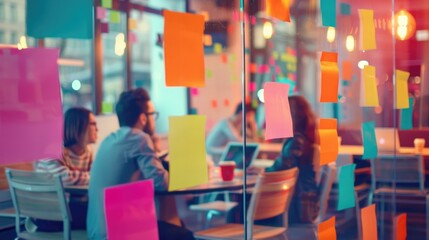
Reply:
x=168, y=231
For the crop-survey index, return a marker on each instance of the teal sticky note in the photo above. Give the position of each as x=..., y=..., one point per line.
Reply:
x=407, y=116
x=115, y=16
x=345, y=9
x=328, y=10
x=59, y=19
x=106, y=3
x=288, y=81
x=346, y=182
x=369, y=141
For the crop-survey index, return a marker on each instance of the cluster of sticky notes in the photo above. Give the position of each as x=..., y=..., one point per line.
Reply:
x=31, y=109
x=58, y=19
x=278, y=9
x=326, y=230
x=186, y=138
x=329, y=78
x=369, y=93
x=369, y=223
x=277, y=111
x=328, y=138
x=346, y=192
x=369, y=140
x=407, y=116
x=401, y=89
x=184, y=49
x=329, y=12
x=367, y=29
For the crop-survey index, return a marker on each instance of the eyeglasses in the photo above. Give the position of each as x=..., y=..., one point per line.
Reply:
x=155, y=114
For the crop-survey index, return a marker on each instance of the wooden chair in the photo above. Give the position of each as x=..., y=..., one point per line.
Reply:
x=41, y=196
x=271, y=197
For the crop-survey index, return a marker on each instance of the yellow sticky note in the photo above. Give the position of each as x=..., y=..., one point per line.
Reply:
x=217, y=48
x=275, y=55
x=186, y=139
x=367, y=29
x=326, y=230
x=278, y=9
x=369, y=223
x=132, y=24
x=402, y=89
x=208, y=40
x=328, y=138
x=329, y=79
x=369, y=87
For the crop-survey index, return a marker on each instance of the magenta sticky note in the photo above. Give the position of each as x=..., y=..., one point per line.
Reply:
x=101, y=13
x=104, y=27
x=31, y=117
x=130, y=211
x=252, y=86
x=277, y=111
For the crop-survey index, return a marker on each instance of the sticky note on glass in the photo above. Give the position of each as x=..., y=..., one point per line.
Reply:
x=278, y=9
x=329, y=12
x=184, y=49
x=407, y=116
x=328, y=138
x=114, y=16
x=31, y=115
x=369, y=88
x=400, y=225
x=186, y=139
x=346, y=192
x=132, y=23
x=401, y=89
x=217, y=48
x=58, y=19
x=130, y=211
x=329, y=84
x=346, y=70
x=277, y=111
x=326, y=230
x=101, y=13
x=369, y=140
x=345, y=9
x=367, y=29
x=107, y=107
x=369, y=223
x=106, y=3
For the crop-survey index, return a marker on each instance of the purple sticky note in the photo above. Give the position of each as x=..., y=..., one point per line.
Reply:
x=104, y=27
x=101, y=13
x=130, y=211
x=31, y=117
x=277, y=111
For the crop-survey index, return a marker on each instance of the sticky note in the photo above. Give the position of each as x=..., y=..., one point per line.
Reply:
x=104, y=27
x=369, y=88
x=401, y=89
x=224, y=58
x=369, y=223
x=369, y=140
x=58, y=19
x=367, y=29
x=31, y=115
x=130, y=211
x=346, y=70
x=183, y=34
x=186, y=139
x=326, y=230
x=132, y=24
x=106, y=3
x=277, y=111
x=345, y=9
x=346, y=192
x=278, y=9
x=208, y=41
x=101, y=13
x=114, y=16
x=217, y=48
x=329, y=78
x=253, y=68
x=107, y=107
x=401, y=226
x=328, y=10
x=132, y=37
x=407, y=116
x=328, y=138
x=209, y=73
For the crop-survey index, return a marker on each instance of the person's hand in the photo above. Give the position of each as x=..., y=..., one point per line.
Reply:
x=252, y=170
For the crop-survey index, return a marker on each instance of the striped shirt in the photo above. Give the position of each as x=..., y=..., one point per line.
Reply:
x=73, y=169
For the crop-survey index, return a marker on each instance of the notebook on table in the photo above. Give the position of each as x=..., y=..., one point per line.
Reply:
x=234, y=152
x=388, y=140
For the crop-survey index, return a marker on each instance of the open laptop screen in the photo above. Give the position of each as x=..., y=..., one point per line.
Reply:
x=234, y=152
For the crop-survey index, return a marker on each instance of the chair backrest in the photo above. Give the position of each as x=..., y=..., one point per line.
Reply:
x=271, y=195
x=38, y=195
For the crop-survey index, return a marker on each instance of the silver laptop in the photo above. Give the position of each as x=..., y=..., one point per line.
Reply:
x=388, y=140
x=234, y=152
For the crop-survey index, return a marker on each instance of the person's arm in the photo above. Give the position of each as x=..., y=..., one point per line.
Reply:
x=58, y=167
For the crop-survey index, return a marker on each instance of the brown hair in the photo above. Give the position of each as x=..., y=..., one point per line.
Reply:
x=303, y=118
x=76, y=122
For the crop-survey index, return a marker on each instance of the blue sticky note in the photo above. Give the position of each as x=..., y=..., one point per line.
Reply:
x=346, y=183
x=345, y=9
x=59, y=19
x=329, y=12
x=407, y=116
x=369, y=141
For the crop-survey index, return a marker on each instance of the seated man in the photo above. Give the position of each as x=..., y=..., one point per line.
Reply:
x=125, y=156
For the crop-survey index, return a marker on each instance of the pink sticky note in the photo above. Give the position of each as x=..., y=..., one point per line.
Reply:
x=31, y=117
x=132, y=37
x=101, y=13
x=277, y=110
x=130, y=211
x=252, y=86
x=194, y=91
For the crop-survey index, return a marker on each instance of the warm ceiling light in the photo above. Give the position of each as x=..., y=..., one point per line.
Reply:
x=330, y=34
x=350, y=43
x=267, y=30
x=404, y=25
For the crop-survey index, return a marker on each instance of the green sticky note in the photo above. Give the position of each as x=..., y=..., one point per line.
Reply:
x=209, y=73
x=407, y=116
x=59, y=19
x=346, y=192
x=329, y=12
x=115, y=16
x=107, y=107
x=345, y=9
x=370, y=149
x=106, y=3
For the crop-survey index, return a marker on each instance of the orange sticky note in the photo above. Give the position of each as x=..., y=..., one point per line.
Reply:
x=326, y=230
x=253, y=68
x=183, y=49
x=132, y=23
x=369, y=223
x=208, y=40
x=278, y=9
x=367, y=29
x=401, y=227
x=328, y=138
x=401, y=89
x=369, y=88
x=347, y=70
x=329, y=84
x=328, y=123
x=224, y=58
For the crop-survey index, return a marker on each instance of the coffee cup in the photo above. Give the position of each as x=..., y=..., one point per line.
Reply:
x=227, y=170
x=419, y=144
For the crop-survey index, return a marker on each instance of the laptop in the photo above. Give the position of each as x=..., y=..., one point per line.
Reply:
x=388, y=140
x=234, y=152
